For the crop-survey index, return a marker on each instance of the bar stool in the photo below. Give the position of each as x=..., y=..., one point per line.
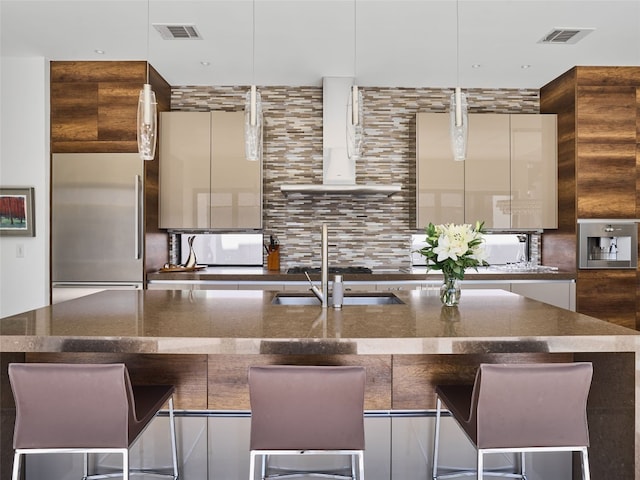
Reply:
x=84, y=408
x=519, y=408
x=307, y=410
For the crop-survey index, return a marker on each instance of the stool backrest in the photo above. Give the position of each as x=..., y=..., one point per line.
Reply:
x=307, y=407
x=71, y=405
x=531, y=405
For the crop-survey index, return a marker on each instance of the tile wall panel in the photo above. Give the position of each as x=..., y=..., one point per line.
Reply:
x=372, y=230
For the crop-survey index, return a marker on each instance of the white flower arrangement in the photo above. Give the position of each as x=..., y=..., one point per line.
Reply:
x=453, y=248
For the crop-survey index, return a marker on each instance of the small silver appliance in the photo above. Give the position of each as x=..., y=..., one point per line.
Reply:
x=609, y=244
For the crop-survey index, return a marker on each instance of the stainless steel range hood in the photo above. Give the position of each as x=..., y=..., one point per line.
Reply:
x=338, y=170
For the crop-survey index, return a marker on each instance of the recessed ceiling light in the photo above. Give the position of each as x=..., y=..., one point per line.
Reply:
x=204, y=63
x=524, y=67
x=476, y=65
x=99, y=52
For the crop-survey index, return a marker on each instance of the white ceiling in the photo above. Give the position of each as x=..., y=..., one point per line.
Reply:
x=397, y=43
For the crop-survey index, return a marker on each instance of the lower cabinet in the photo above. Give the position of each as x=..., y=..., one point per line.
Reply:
x=560, y=293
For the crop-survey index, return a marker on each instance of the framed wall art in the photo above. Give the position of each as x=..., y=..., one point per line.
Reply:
x=17, y=213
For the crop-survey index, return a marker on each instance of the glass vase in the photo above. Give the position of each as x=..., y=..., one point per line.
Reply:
x=450, y=291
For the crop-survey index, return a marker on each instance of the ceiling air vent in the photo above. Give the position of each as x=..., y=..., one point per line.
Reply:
x=566, y=35
x=177, y=32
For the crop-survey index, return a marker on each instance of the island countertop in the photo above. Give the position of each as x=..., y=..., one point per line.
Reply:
x=245, y=322
x=203, y=341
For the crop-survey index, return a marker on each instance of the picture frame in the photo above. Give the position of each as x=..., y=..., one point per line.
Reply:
x=17, y=212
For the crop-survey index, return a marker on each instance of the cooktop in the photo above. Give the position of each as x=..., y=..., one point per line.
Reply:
x=338, y=270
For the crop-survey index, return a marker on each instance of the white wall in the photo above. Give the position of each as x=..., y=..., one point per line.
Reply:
x=24, y=162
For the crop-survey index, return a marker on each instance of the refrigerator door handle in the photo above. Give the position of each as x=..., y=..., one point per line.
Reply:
x=138, y=219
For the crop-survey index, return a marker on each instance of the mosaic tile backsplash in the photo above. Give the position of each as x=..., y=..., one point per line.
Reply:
x=369, y=230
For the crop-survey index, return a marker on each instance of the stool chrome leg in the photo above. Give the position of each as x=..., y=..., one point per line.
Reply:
x=436, y=440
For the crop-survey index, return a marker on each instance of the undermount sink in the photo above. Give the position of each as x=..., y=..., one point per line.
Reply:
x=382, y=298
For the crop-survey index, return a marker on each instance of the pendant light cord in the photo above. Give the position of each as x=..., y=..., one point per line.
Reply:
x=148, y=20
x=355, y=36
x=457, y=43
x=253, y=43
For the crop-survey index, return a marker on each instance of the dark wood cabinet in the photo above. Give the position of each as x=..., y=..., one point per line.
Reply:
x=94, y=105
x=598, y=111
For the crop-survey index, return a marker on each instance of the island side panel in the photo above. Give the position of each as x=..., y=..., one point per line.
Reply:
x=611, y=410
x=228, y=377
x=187, y=372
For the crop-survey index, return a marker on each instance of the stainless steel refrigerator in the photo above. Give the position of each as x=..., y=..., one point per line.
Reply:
x=97, y=223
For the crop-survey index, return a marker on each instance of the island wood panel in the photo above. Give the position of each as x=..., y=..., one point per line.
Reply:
x=611, y=423
x=415, y=376
x=187, y=372
x=610, y=295
x=228, y=377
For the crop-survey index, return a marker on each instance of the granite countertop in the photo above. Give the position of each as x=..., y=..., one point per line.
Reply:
x=245, y=322
x=380, y=274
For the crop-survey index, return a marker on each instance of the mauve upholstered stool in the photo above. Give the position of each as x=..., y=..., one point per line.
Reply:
x=520, y=408
x=302, y=410
x=84, y=408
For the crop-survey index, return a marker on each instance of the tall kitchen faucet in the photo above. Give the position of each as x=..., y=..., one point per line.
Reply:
x=322, y=293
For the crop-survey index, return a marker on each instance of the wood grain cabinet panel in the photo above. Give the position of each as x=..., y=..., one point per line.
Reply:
x=606, y=114
x=606, y=180
x=228, y=376
x=74, y=112
x=94, y=105
x=609, y=295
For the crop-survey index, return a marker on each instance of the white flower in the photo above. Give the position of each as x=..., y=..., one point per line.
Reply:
x=452, y=248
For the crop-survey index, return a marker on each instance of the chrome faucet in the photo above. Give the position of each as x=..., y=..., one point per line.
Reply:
x=322, y=293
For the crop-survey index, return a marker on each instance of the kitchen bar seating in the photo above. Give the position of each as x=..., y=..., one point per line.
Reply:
x=519, y=408
x=307, y=410
x=84, y=408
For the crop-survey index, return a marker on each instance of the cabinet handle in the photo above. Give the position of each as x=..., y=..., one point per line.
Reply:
x=138, y=218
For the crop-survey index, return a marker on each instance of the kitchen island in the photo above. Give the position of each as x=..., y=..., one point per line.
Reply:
x=204, y=341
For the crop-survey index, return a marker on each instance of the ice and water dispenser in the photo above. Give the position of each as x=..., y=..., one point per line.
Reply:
x=605, y=244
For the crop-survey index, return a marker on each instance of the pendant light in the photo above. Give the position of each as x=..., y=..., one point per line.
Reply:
x=253, y=107
x=355, y=127
x=458, y=106
x=147, y=119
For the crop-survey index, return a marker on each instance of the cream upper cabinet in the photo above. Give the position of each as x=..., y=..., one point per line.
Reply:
x=510, y=159
x=486, y=171
x=534, y=171
x=440, y=179
x=205, y=180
